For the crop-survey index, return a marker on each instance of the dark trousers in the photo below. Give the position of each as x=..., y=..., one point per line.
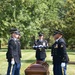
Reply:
x=57, y=70
x=15, y=69
x=65, y=68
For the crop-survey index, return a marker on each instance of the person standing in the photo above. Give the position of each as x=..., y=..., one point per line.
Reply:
x=13, y=54
x=59, y=54
x=40, y=45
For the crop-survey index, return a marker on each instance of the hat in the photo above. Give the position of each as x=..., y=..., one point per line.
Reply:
x=12, y=30
x=57, y=32
x=40, y=34
x=17, y=32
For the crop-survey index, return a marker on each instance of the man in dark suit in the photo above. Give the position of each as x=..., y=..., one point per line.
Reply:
x=40, y=45
x=13, y=54
x=59, y=54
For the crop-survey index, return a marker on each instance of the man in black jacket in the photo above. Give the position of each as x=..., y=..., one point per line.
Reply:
x=40, y=45
x=13, y=54
x=59, y=54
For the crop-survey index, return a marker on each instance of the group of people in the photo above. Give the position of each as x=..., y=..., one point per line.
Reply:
x=58, y=52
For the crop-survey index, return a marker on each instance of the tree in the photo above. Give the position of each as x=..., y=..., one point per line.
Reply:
x=70, y=22
x=30, y=17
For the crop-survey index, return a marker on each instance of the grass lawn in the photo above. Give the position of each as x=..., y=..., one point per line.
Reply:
x=28, y=57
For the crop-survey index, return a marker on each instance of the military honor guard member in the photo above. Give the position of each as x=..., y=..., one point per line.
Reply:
x=40, y=45
x=59, y=54
x=13, y=54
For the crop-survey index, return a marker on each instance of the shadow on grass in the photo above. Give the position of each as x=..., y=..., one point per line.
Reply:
x=70, y=50
x=72, y=54
x=24, y=50
x=27, y=50
x=3, y=50
x=49, y=62
x=31, y=50
x=28, y=61
x=32, y=61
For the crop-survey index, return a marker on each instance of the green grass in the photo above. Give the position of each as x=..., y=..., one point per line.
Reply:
x=28, y=57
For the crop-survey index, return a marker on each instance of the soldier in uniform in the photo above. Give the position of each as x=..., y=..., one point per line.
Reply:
x=40, y=45
x=13, y=54
x=59, y=54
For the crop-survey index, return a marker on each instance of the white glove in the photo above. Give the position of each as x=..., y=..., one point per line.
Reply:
x=40, y=45
x=12, y=61
x=63, y=65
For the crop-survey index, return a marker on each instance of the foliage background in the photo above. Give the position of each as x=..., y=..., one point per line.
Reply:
x=33, y=16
